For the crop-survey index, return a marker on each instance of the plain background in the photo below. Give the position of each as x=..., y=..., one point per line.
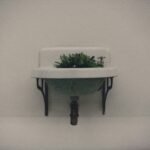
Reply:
x=26, y=26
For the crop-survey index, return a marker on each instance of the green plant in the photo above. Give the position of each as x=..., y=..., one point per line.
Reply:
x=79, y=60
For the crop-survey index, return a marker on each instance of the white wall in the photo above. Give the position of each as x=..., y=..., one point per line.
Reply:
x=26, y=26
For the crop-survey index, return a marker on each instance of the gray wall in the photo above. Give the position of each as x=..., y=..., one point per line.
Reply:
x=26, y=26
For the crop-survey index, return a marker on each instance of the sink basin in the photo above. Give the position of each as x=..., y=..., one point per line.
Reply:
x=75, y=87
x=73, y=81
x=69, y=73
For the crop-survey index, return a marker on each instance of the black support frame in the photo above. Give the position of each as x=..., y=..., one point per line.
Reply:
x=105, y=88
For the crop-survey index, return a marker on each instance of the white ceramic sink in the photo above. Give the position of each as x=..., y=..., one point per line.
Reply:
x=76, y=73
x=73, y=81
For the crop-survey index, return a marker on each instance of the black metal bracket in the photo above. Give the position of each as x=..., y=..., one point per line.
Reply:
x=43, y=87
x=74, y=106
x=107, y=85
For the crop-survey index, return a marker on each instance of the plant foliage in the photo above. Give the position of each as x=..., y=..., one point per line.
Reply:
x=78, y=60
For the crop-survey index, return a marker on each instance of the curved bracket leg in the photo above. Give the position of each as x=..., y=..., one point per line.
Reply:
x=103, y=97
x=74, y=110
x=107, y=85
x=43, y=87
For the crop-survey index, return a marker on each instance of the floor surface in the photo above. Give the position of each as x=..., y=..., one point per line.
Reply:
x=41, y=133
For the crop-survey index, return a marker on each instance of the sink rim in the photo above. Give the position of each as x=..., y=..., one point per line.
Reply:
x=74, y=73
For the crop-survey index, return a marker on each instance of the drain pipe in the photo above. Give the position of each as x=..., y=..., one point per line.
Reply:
x=74, y=110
